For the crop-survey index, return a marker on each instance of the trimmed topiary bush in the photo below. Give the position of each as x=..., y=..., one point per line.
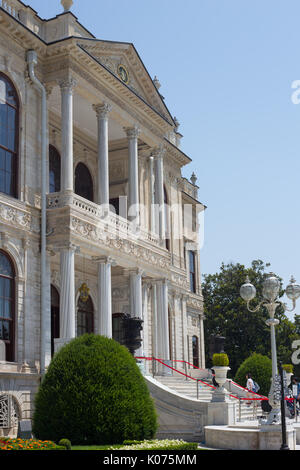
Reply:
x=94, y=393
x=65, y=443
x=260, y=368
x=220, y=359
x=288, y=368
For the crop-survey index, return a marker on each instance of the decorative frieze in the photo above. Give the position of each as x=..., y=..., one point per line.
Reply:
x=18, y=218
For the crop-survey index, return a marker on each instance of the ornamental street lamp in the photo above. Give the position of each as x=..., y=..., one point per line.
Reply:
x=271, y=287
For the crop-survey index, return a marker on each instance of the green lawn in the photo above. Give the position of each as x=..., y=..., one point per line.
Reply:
x=95, y=447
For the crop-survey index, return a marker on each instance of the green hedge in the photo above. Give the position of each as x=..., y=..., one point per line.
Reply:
x=260, y=368
x=94, y=393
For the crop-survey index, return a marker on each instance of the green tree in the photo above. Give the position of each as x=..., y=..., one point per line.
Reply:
x=227, y=315
x=260, y=368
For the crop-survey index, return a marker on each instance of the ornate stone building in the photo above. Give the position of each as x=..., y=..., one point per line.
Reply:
x=95, y=216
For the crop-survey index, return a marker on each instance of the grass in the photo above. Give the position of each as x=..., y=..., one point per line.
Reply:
x=96, y=447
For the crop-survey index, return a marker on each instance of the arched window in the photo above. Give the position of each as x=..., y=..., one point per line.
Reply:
x=85, y=317
x=7, y=305
x=54, y=317
x=83, y=182
x=54, y=170
x=9, y=136
x=195, y=344
x=167, y=220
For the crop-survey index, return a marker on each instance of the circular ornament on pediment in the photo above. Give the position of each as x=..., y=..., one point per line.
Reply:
x=123, y=73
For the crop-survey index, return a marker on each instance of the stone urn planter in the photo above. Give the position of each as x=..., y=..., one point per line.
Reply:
x=67, y=4
x=221, y=374
x=221, y=368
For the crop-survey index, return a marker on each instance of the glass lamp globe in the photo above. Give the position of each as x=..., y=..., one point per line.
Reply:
x=293, y=290
x=247, y=290
x=271, y=287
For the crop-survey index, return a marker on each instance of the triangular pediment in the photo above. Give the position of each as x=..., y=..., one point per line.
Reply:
x=123, y=61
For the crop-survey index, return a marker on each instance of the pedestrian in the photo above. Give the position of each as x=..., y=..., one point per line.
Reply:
x=249, y=386
x=250, y=383
x=295, y=387
x=215, y=383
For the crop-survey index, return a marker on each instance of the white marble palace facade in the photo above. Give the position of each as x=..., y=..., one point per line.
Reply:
x=91, y=193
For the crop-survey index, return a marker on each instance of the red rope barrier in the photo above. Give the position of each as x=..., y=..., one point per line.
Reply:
x=261, y=397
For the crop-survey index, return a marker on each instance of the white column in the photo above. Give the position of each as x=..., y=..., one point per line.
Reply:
x=67, y=87
x=102, y=111
x=136, y=303
x=185, y=346
x=67, y=292
x=104, y=296
x=145, y=332
x=133, y=163
x=152, y=195
x=159, y=190
x=163, y=349
x=202, y=344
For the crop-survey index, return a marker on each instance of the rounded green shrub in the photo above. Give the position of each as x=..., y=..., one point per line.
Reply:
x=94, y=393
x=220, y=359
x=65, y=443
x=260, y=368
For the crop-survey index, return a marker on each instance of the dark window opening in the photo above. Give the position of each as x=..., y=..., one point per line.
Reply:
x=9, y=137
x=85, y=317
x=84, y=182
x=54, y=170
x=7, y=305
x=192, y=272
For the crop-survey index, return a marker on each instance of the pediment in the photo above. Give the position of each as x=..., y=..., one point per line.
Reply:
x=123, y=61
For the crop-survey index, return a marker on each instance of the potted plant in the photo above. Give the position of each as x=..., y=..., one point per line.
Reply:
x=289, y=370
x=220, y=366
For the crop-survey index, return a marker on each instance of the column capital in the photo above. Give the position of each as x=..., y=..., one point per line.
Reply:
x=158, y=152
x=134, y=272
x=102, y=110
x=68, y=246
x=104, y=260
x=67, y=84
x=132, y=132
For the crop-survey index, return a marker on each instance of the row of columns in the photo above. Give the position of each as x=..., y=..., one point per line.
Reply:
x=67, y=253
x=156, y=160
x=138, y=300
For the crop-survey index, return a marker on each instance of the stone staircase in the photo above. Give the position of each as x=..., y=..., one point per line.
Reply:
x=188, y=387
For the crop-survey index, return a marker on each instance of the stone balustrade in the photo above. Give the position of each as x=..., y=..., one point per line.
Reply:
x=115, y=224
x=11, y=6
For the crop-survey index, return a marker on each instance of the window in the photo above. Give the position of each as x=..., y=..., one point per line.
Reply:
x=54, y=317
x=7, y=305
x=83, y=182
x=167, y=220
x=195, y=344
x=192, y=271
x=9, y=136
x=54, y=170
x=85, y=317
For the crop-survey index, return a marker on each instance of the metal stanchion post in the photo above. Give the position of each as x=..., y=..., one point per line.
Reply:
x=284, y=445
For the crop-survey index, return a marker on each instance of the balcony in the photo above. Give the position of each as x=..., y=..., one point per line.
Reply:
x=75, y=219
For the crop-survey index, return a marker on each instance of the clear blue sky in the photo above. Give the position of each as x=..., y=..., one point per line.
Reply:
x=226, y=69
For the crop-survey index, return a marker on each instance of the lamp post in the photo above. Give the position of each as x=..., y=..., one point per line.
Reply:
x=271, y=287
